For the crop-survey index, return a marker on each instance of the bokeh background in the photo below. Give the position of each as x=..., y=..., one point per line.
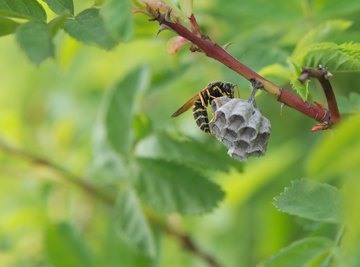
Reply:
x=53, y=111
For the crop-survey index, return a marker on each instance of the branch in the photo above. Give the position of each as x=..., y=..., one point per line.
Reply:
x=322, y=75
x=188, y=244
x=65, y=174
x=185, y=240
x=213, y=50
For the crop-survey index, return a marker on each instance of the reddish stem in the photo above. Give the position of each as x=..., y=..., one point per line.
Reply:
x=322, y=75
x=216, y=52
x=194, y=25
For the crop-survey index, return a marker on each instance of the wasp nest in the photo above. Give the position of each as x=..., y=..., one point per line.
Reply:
x=240, y=126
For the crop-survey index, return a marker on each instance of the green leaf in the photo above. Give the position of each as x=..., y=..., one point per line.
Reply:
x=301, y=253
x=132, y=224
x=319, y=34
x=26, y=9
x=88, y=27
x=142, y=126
x=276, y=73
x=188, y=152
x=187, y=7
x=301, y=88
x=350, y=232
x=118, y=251
x=311, y=200
x=338, y=151
x=99, y=2
x=7, y=26
x=62, y=239
x=170, y=187
x=107, y=166
x=337, y=58
x=34, y=38
x=118, y=18
x=61, y=6
x=119, y=111
x=350, y=104
x=56, y=24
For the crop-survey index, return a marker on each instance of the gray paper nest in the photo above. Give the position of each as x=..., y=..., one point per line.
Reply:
x=240, y=126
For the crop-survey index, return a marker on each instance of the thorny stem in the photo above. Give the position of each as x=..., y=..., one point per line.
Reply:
x=194, y=25
x=322, y=75
x=213, y=50
x=184, y=239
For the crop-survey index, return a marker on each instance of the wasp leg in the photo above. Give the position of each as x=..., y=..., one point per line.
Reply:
x=203, y=103
x=238, y=91
x=213, y=115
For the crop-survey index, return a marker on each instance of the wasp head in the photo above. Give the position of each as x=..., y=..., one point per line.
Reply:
x=229, y=90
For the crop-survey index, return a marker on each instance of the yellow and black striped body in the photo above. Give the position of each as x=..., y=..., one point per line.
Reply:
x=201, y=116
x=200, y=101
x=212, y=91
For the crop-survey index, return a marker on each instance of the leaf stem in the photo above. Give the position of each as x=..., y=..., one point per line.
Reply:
x=187, y=243
x=213, y=50
x=337, y=242
x=184, y=239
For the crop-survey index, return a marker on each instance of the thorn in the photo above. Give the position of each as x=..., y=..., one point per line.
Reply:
x=168, y=15
x=318, y=104
x=325, y=72
x=157, y=17
x=163, y=27
x=282, y=105
x=162, y=17
x=328, y=75
x=194, y=25
x=194, y=48
x=226, y=46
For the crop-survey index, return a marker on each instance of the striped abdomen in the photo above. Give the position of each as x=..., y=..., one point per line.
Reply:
x=201, y=116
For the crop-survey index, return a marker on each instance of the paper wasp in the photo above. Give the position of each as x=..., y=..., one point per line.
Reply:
x=200, y=101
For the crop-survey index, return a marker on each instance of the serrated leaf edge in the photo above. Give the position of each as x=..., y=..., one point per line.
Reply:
x=286, y=189
x=282, y=250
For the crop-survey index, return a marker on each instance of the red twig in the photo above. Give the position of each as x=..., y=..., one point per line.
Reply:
x=194, y=25
x=322, y=75
x=213, y=50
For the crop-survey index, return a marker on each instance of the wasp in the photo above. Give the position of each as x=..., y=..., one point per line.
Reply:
x=200, y=101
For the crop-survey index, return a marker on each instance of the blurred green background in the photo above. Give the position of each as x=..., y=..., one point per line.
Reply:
x=53, y=111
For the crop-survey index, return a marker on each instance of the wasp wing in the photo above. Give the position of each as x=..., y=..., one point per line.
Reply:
x=186, y=106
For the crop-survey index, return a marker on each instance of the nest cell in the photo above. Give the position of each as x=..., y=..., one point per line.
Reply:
x=240, y=126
